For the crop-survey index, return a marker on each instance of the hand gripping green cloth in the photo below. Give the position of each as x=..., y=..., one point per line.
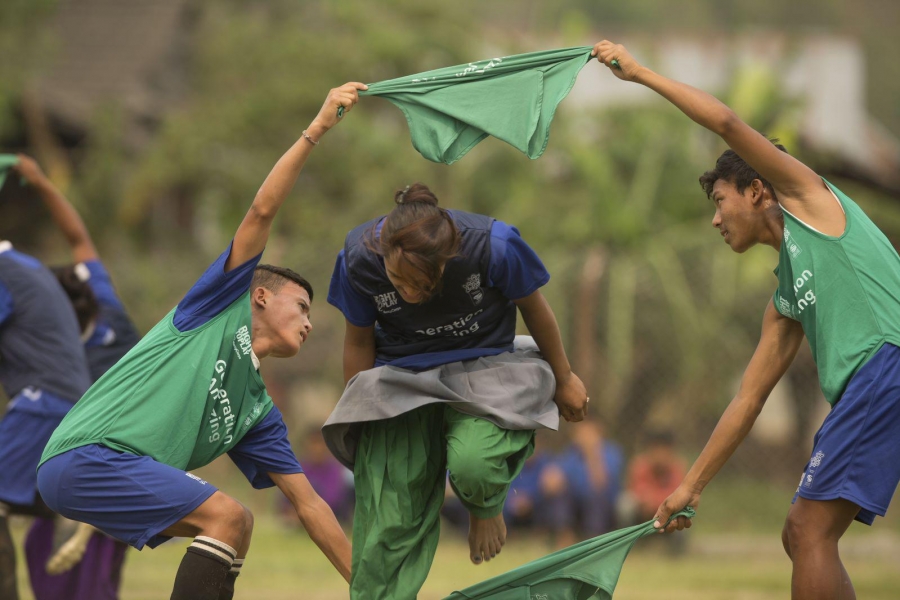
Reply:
x=6, y=161
x=512, y=98
x=589, y=570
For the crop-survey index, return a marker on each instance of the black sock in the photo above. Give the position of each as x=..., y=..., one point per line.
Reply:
x=227, y=591
x=8, y=589
x=203, y=570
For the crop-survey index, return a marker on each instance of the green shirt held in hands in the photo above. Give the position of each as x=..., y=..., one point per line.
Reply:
x=512, y=98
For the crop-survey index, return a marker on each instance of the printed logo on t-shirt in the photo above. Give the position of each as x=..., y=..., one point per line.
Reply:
x=785, y=307
x=109, y=337
x=242, y=340
x=253, y=414
x=792, y=247
x=194, y=477
x=386, y=303
x=221, y=417
x=460, y=327
x=807, y=298
x=473, y=288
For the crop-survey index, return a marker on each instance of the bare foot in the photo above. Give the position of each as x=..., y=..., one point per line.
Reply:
x=486, y=537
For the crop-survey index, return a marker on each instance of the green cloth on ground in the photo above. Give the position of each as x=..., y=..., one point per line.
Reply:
x=589, y=570
x=512, y=98
x=6, y=161
x=400, y=478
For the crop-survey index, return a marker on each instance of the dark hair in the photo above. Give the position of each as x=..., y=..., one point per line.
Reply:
x=733, y=169
x=74, y=280
x=422, y=232
x=273, y=279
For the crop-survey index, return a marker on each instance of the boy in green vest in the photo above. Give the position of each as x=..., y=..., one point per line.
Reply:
x=839, y=285
x=191, y=391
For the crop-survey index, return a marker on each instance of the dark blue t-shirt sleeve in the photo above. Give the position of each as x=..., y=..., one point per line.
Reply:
x=215, y=291
x=6, y=303
x=101, y=284
x=358, y=309
x=265, y=449
x=515, y=269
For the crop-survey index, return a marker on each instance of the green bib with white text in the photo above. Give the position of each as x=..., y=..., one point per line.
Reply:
x=180, y=397
x=844, y=290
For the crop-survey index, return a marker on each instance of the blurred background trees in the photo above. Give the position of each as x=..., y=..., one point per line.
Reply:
x=161, y=119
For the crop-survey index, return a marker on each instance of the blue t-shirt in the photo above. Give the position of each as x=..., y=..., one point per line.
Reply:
x=114, y=334
x=40, y=342
x=571, y=462
x=215, y=291
x=515, y=270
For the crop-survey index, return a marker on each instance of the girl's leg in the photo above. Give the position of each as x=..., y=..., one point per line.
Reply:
x=400, y=473
x=483, y=459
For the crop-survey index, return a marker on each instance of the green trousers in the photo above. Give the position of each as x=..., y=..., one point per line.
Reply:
x=400, y=474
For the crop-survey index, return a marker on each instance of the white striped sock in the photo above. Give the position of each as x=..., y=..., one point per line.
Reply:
x=214, y=547
x=236, y=566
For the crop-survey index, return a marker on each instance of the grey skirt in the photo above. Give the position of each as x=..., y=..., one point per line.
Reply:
x=513, y=390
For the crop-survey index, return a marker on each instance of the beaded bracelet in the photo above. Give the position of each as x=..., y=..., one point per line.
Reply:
x=311, y=141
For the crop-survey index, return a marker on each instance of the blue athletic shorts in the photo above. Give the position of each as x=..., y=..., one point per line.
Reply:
x=856, y=452
x=30, y=419
x=134, y=498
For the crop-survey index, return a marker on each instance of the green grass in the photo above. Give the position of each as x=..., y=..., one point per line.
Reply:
x=284, y=564
x=733, y=552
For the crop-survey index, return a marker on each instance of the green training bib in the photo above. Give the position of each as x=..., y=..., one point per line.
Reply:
x=181, y=397
x=844, y=290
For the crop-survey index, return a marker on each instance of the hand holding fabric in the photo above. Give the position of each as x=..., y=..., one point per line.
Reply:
x=625, y=67
x=684, y=496
x=340, y=100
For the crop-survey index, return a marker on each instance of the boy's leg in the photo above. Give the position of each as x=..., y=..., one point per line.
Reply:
x=812, y=531
x=483, y=459
x=227, y=590
x=221, y=528
x=143, y=502
x=400, y=475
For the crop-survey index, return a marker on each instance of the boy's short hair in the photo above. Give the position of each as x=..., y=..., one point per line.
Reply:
x=273, y=279
x=733, y=169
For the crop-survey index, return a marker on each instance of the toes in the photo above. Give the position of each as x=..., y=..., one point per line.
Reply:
x=495, y=548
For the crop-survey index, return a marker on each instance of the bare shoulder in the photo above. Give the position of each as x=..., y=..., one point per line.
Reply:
x=817, y=206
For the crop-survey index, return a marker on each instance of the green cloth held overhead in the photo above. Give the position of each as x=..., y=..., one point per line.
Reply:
x=512, y=98
x=589, y=570
x=6, y=161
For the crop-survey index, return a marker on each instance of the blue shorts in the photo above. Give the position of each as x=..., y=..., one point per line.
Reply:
x=856, y=452
x=31, y=417
x=135, y=498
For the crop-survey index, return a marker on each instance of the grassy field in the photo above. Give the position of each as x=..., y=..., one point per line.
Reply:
x=734, y=556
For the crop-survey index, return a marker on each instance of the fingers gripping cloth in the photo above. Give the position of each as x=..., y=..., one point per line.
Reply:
x=588, y=570
x=512, y=98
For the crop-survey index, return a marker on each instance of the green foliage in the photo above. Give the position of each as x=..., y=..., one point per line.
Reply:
x=676, y=315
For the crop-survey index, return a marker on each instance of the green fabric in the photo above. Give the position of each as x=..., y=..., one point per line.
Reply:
x=512, y=98
x=482, y=460
x=587, y=570
x=400, y=478
x=182, y=398
x=6, y=161
x=845, y=291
